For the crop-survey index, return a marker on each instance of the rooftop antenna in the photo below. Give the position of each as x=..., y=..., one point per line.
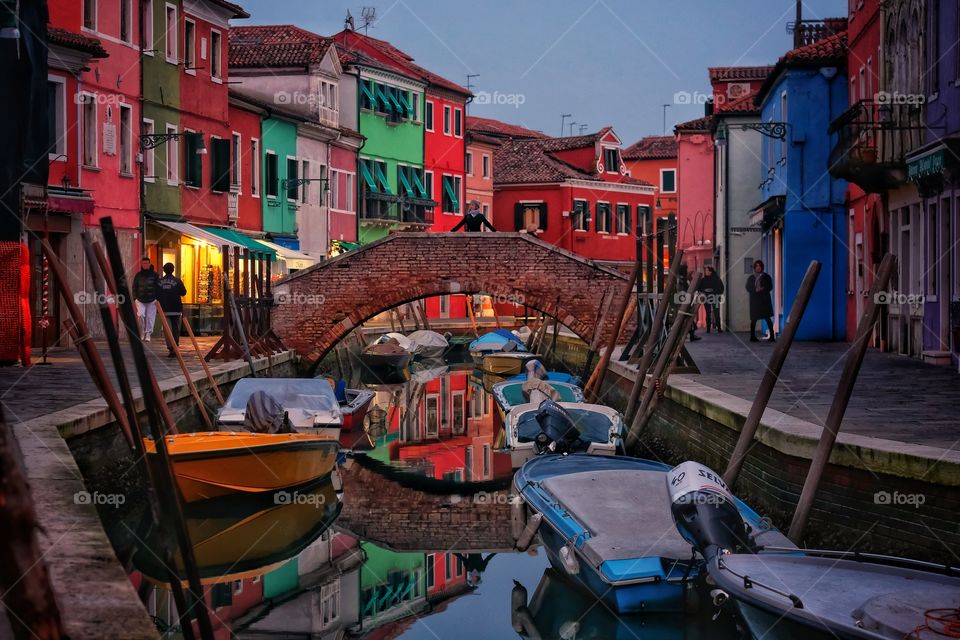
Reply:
x=563, y=119
x=368, y=15
x=665, y=107
x=583, y=128
x=471, y=76
x=571, y=127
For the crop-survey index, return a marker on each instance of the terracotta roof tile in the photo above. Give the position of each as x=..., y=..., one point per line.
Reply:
x=281, y=45
x=652, y=148
x=700, y=124
x=828, y=52
x=238, y=11
x=498, y=129
x=721, y=74
x=76, y=41
x=743, y=104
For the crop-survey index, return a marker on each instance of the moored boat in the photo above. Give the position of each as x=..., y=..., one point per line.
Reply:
x=428, y=344
x=495, y=341
x=208, y=464
x=511, y=393
x=538, y=428
x=506, y=363
x=310, y=404
x=385, y=354
x=607, y=525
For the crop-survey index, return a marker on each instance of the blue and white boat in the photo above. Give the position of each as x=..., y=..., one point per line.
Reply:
x=510, y=393
x=493, y=342
x=607, y=524
x=544, y=427
x=535, y=369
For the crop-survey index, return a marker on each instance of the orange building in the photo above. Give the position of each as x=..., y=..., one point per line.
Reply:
x=654, y=160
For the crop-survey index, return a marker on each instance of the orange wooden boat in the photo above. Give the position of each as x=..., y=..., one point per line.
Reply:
x=208, y=464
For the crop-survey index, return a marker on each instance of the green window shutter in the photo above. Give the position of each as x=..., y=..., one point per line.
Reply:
x=394, y=95
x=405, y=101
x=365, y=88
x=404, y=182
x=517, y=217
x=448, y=188
x=220, y=165
x=368, y=176
x=292, y=189
x=418, y=183
x=382, y=177
x=384, y=100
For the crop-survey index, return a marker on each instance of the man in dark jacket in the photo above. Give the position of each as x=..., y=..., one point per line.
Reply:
x=170, y=294
x=145, y=285
x=683, y=281
x=711, y=286
x=759, y=286
x=474, y=220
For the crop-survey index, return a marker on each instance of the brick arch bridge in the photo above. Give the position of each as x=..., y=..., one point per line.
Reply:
x=320, y=305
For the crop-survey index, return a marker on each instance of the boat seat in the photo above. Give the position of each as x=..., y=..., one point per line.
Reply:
x=626, y=512
x=340, y=390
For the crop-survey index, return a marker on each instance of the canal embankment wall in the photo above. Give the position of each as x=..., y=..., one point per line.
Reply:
x=78, y=463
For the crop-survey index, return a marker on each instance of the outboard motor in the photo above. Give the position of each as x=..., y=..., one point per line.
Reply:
x=704, y=510
x=557, y=434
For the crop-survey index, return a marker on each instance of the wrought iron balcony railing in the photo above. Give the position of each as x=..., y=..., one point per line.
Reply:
x=389, y=208
x=809, y=31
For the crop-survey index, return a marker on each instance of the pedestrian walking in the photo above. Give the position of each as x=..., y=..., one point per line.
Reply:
x=170, y=295
x=711, y=286
x=145, y=285
x=683, y=281
x=474, y=220
x=759, y=285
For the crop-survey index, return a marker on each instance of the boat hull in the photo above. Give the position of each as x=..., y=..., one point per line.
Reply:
x=378, y=361
x=506, y=364
x=356, y=410
x=211, y=464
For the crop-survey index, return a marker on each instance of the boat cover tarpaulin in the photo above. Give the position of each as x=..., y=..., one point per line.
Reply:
x=264, y=414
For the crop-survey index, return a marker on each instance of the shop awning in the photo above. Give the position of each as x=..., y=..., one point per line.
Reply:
x=926, y=164
x=294, y=259
x=767, y=212
x=199, y=233
x=244, y=241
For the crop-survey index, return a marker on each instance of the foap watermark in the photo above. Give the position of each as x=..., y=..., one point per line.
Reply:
x=505, y=298
x=86, y=297
x=295, y=497
x=710, y=299
x=499, y=497
x=298, y=99
x=895, y=97
x=695, y=97
x=502, y=99
x=915, y=500
x=299, y=299
x=97, y=499
x=896, y=297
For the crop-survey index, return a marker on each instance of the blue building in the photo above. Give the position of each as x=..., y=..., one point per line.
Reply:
x=802, y=212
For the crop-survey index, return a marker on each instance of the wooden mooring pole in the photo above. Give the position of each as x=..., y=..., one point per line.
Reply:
x=203, y=361
x=625, y=296
x=188, y=378
x=848, y=378
x=772, y=374
x=666, y=300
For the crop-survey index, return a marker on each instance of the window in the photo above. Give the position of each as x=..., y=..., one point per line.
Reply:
x=271, y=176
x=486, y=166
x=611, y=160
x=668, y=180
x=89, y=122
x=469, y=164
x=146, y=19
x=305, y=174
x=56, y=117
x=333, y=192
x=149, y=162
x=604, y=215
x=446, y=120
x=428, y=183
x=431, y=561
x=215, y=53
x=415, y=105
x=255, y=167
x=193, y=161
x=428, y=116
x=380, y=171
x=126, y=20
x=189, y=46
x=448, y=565
x=458, y=123
x=451, y=194
x=235, y=146
x=367, y=98
x=581, y=215
x=459, y=417
x=170, y=47
x=330, y=602
x=432, y=416
x=220, y=165
x=530, y=216
x=623, y=218
x=173, y=157
x=292, y=187
x=90, y=14
x=126, y=140
x=348, y=193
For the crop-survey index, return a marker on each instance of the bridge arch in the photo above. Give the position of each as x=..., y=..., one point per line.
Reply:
x=316, y=307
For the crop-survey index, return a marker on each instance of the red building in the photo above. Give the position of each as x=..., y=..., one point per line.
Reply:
x=573, y=192
x=343, y=178
x=245, y=129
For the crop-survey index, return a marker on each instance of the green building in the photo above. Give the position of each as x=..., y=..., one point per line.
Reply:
x=279, y=164
x=392, y=585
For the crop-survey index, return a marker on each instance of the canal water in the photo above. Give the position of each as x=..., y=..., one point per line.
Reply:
x=408, y=540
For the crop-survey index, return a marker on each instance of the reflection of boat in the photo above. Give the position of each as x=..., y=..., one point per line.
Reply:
x=236, y=538
x=506, y=363
x=423, y=371
x=551, y=376
x=354, y=406
x=509, y=394
x=607, y=525
x=385, y=354
x=559, y=610
x=310, y=403
x=494, y=341
x=587, y=428
x=209, y=464
x=428, y=344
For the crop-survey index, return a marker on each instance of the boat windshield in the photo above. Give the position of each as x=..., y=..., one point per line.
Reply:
x=593, y=425
x=291, y=393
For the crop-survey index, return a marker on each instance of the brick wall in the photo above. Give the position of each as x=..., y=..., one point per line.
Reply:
x=318, y=306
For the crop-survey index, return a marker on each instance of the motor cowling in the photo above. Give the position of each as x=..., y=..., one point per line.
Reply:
x=558, y=434
x=704, y=510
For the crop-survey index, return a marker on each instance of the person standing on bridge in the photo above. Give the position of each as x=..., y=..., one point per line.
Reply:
x=145, y=287
x=759, y=286
x=170, y=295
x=474, y=220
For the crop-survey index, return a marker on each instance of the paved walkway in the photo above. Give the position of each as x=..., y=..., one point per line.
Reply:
x=43, y=389
x=895, y=398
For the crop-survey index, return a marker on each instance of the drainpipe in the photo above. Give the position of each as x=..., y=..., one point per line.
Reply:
x=363, y=143
x=463, y=131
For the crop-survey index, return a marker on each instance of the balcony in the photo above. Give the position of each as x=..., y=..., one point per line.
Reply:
x=874, y=140
x=386, y=209
x=809, y=31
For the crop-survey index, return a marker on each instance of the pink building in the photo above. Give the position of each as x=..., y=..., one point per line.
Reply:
x=695, y=192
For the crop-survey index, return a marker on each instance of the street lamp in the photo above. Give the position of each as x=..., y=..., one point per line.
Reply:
x=154, y=140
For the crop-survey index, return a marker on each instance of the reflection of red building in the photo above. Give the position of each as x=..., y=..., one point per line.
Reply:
x=444, y=572
x=448, y=429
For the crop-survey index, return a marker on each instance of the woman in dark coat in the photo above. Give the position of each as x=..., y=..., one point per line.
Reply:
x=759, y=286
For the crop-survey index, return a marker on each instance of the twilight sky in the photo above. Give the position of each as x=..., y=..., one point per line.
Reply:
x=605, y=62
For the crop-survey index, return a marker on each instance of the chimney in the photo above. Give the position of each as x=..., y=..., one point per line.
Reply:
x=708, y=106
